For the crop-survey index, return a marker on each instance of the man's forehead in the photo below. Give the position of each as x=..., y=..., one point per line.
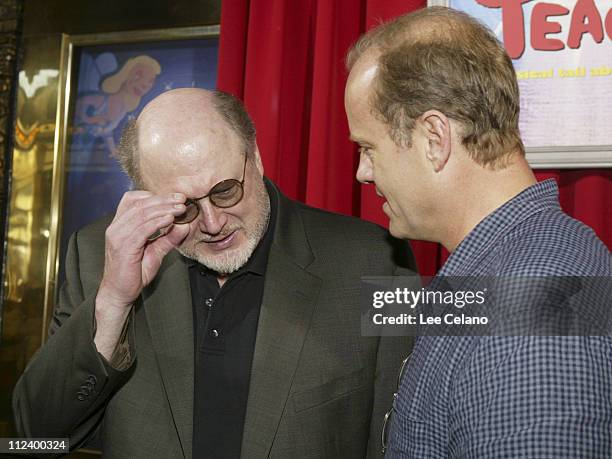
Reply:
x=361, y=77
x=183, y=152
x=366, y=66
x=192, y=174
x=184, y=134
x=175, y=123
x=210, y=149
x=180, y=112
x=178, y=135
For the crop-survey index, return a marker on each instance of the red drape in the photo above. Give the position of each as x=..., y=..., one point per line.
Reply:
x=285, y=60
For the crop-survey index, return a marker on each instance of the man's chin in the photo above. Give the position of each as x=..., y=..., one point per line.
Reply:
x=223, y=263
x=398, y=231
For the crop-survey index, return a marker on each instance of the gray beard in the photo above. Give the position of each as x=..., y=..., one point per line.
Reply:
x=231, y=260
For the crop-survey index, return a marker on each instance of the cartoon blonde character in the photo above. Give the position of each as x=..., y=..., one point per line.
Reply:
x=100, y=113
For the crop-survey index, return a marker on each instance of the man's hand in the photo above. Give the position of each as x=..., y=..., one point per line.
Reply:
x=132, y=260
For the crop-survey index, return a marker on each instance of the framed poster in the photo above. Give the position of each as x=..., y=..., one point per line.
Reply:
x=105, y=81
x=561, y=50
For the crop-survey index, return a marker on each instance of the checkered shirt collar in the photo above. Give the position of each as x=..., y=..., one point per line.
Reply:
x=541, y=196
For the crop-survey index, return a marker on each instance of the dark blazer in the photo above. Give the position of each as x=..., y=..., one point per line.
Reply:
x=318, y=388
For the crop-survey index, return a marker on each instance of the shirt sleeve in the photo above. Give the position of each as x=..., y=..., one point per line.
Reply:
x=122, y=356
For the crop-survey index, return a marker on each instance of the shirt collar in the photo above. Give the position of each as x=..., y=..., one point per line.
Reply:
x=258, y=261
x=536, y=198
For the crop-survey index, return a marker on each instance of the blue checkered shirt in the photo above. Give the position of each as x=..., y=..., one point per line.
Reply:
x=515, y=396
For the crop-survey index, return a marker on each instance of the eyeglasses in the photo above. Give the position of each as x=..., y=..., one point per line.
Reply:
x=226, y=193
x=389, y=415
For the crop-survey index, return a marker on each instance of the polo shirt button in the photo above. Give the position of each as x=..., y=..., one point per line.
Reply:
x=214, y=333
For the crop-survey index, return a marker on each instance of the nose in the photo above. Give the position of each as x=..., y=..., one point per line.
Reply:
x=364, y=171
x=211, y=219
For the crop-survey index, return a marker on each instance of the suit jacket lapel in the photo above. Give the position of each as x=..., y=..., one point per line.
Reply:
x=168, y=308
x=290, y=294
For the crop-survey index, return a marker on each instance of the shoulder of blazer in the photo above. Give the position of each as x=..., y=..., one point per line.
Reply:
x=89, y=245
x=93, y=233
x=329, y=232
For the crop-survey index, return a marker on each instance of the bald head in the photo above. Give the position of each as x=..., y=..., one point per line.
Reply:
x=182, y=129
x=188, y=128
x=187, y=108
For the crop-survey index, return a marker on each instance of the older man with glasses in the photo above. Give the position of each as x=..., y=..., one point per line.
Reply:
x=213, y=316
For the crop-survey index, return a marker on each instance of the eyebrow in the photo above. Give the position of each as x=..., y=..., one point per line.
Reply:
x=360, y=141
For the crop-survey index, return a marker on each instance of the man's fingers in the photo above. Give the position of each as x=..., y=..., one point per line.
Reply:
x=133, y=220
x=160, y=247
x=126, y=239
x=144, y=199
x=156, y=251
x=141, y=236
x=129, y=197
x=177, y=235
x=131, y=256
x=135, y=217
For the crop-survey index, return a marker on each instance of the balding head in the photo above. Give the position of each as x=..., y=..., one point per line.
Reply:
x=189, y=109
x=427, y=25
x=182, y=130
x=183, y=119
x=441, y=59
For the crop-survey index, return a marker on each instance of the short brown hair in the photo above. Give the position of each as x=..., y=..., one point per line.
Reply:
x=442, y=59
x=228, y=107
x=127, y=152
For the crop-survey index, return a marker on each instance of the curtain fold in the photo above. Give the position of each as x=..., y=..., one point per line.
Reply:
x=285, y=60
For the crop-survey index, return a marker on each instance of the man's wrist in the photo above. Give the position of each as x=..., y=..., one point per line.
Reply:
x=109, y=322
x=105, y=302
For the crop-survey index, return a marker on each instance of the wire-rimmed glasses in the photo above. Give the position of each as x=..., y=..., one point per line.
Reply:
x=389, y=414
x=226, y=193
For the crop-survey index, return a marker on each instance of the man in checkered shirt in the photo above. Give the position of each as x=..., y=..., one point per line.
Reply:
x=433, y=102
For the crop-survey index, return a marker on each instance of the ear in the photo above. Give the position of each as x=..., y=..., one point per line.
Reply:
x=437, y=130
x=257, y=159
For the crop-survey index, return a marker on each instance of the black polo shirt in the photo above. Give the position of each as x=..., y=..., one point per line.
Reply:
x=225, y=326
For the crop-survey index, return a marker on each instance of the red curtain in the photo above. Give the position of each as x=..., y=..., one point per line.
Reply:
x=285, y=60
